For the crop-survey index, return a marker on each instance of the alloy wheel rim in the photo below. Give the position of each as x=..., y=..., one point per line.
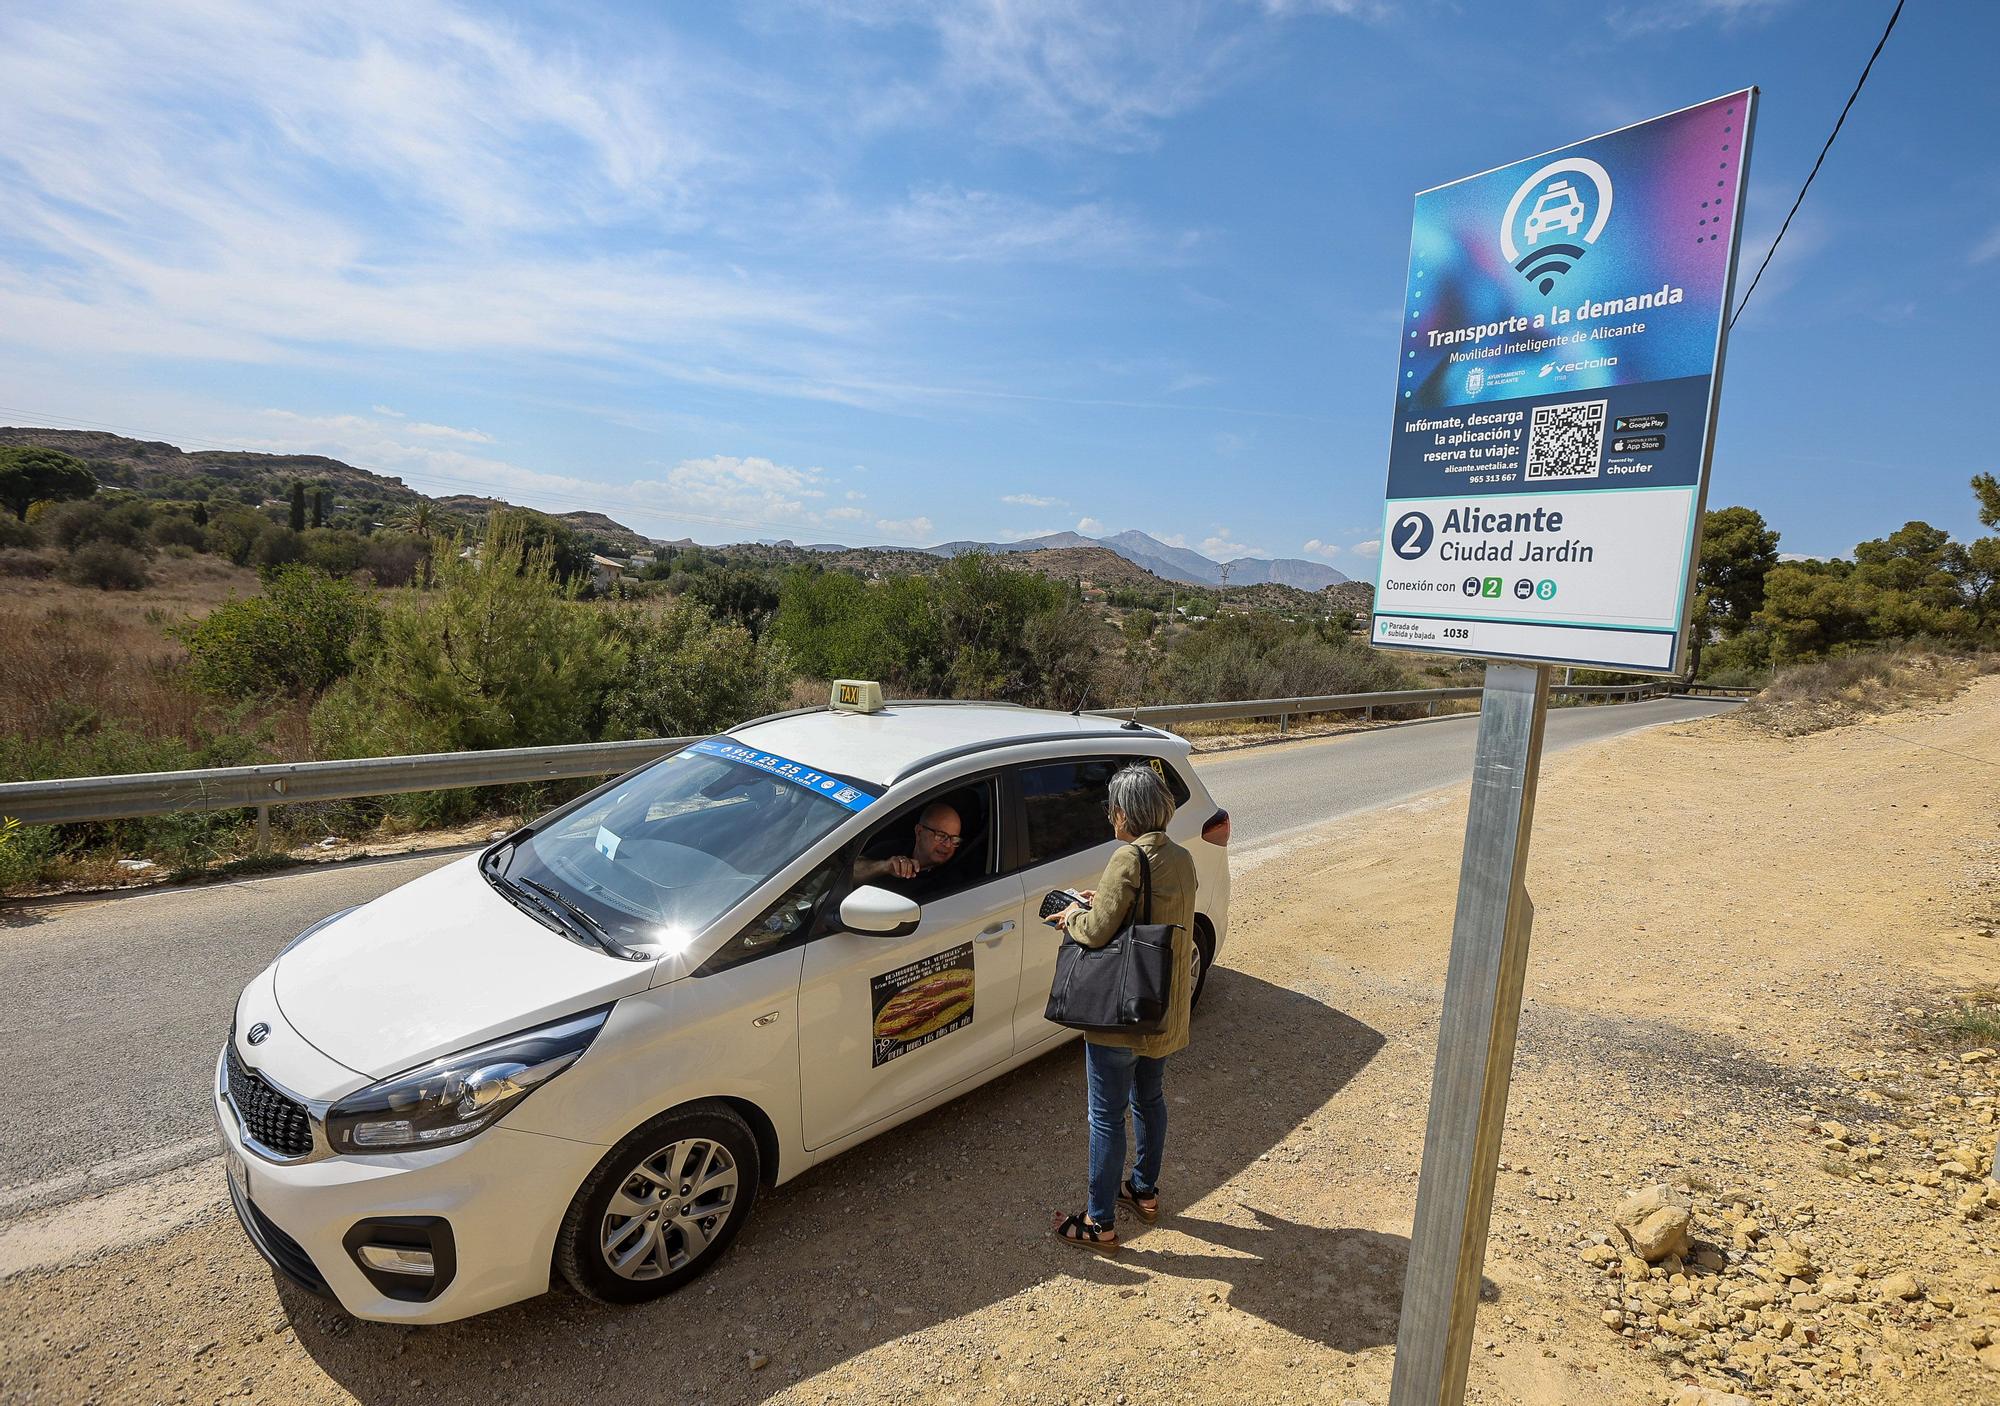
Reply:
x=669, y=1209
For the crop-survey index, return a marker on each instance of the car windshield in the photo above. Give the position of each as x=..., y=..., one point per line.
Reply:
x=653, y=861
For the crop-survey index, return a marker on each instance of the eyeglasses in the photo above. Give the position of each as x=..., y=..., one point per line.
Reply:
x=943, y=837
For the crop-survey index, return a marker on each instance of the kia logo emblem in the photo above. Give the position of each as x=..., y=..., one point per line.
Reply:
x=259, y=1033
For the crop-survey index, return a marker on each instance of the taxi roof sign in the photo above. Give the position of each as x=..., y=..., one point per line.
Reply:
x=856, y=696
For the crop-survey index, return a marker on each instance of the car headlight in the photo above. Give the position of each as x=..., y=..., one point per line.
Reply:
x=315, y=927
x=454, y=1097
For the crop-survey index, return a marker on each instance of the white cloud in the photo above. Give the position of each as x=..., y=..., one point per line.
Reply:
x=1090, y=527
x=1284, y=9
x=1222, y=546
x=845, y=514
x=755, y=489
x=1325, y=551
x=169, y=186
x=1030, y=500
x=915, y=530
x=947, y=223
x=1371, y=548
x=1987, y=248
x=1652, y=18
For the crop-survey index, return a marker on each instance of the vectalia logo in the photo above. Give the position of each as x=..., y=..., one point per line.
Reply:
x=1559, y=207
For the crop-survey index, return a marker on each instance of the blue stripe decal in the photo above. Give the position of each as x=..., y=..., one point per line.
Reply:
x=818, y=782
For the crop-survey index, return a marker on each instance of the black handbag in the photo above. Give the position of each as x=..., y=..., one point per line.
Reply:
x=1125, y=986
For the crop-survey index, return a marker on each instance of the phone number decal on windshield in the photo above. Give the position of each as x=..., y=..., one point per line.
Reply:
x=817, y=782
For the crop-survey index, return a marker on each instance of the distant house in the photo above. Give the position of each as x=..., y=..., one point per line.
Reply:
x=604, y=571
x=641, y=560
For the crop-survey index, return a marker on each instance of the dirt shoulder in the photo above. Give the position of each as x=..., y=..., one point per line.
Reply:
x=1743, y=955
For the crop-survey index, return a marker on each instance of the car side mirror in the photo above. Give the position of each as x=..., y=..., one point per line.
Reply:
x=876, y=912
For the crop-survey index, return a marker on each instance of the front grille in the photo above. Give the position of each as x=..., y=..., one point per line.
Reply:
x=275, y=1120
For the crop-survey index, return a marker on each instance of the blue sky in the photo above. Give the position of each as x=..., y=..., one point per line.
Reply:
x=898, y=272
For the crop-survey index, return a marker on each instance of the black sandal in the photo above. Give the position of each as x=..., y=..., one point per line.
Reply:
x=1132, y=1198
x=1082, y=1231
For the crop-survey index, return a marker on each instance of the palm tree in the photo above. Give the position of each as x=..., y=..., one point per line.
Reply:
x=421, y=518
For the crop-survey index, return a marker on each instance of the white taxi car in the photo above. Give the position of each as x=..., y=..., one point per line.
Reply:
x=586, y=1049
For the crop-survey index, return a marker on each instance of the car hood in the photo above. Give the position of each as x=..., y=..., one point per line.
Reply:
x=434, y=966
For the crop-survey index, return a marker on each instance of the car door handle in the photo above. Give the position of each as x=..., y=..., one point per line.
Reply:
x=993, y=934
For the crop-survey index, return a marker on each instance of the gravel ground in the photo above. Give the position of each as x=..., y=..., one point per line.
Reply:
x=1740, y=939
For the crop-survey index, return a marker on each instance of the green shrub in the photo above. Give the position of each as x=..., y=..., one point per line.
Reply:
x=107, y=566
x=233, y=532
x=71, y=525
x=294, y=640
x=394, y=558
x=1260, y=656
x=275, y=547
x=15, y=533
x=688, y=673
x=488, y=658
x=971, y=629
x=24, y=851
x=335, y=551
x=177, y=531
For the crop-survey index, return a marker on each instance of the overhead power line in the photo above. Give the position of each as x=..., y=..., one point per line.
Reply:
x=1893, y=16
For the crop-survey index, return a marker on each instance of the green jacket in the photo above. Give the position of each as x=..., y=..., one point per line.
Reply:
x=1173, y=902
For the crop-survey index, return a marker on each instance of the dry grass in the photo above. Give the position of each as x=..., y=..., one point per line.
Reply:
x=78, y=657
x=1844, y=688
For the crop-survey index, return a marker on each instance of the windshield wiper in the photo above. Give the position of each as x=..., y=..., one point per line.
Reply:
x=582, y=920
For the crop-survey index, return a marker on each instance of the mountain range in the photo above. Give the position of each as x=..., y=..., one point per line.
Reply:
x=1174, y=563
x=151, y=464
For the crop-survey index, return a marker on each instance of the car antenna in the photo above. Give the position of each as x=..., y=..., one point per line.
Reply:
x=1077, y=711
x=1131, y=724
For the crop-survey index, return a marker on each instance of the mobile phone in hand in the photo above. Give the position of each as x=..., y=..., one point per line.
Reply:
x=1056, y=900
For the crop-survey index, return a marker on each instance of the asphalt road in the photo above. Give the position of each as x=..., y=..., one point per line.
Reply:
x=114, y=1008
x=1276, y=793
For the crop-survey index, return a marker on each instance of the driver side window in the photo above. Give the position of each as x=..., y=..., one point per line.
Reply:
x=948, y=838
x=792, y=917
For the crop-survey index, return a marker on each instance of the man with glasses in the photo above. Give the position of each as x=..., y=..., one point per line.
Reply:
x=938, y=835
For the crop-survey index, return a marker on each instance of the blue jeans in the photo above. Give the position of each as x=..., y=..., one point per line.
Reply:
x=1117, y=1078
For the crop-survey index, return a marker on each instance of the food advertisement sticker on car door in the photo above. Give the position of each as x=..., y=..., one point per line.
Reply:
x=1556, y=386
x=921, y=1001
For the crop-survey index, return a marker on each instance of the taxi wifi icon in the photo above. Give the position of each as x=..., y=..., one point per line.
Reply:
x=1558, y=207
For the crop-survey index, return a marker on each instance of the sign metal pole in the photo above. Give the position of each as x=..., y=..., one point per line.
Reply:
x=1476, y=1036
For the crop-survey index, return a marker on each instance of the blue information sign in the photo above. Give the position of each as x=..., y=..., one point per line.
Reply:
x=1555, y=397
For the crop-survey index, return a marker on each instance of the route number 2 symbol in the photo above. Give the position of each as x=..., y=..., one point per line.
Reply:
x=1411, y=536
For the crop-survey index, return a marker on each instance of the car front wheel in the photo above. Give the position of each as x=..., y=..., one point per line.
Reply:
x=662, y=1207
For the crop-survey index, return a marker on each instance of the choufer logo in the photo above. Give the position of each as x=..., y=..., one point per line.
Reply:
x=1556, y=213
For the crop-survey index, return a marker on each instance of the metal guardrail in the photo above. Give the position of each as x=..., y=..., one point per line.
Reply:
x=88, y=798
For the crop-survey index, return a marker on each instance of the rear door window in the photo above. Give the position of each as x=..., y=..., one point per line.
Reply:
x=1065, y=801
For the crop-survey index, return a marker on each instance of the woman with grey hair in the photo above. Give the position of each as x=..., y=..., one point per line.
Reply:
x=1122, y=1070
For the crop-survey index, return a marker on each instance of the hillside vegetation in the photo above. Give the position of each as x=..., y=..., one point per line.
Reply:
x=161, y=621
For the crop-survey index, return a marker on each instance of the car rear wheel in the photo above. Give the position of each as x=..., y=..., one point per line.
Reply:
x=662, y=1207
x=1204, y=958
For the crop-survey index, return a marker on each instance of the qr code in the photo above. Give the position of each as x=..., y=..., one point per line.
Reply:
x=1566, y=441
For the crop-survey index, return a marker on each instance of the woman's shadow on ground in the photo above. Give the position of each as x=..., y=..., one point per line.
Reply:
x=937, y=1219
